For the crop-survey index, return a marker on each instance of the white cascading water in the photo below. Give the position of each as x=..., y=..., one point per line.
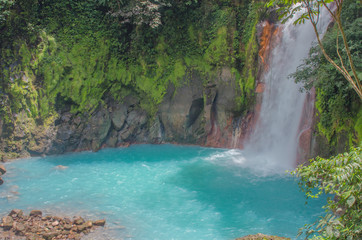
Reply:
x=273, y=145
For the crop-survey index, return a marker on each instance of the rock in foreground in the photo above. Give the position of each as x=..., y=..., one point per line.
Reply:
x=260, y=236
x=2, y=172
x=17, y=225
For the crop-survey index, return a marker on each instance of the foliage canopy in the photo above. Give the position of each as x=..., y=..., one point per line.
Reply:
x=341, y=177
x=76, y=55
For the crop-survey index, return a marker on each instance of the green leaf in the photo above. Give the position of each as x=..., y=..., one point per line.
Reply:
x=329, y=231
x=351, y=200
x=336, y=233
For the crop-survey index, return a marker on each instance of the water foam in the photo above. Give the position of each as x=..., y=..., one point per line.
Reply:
x=273, y=145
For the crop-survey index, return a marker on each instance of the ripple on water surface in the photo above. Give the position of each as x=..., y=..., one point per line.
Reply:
x=160, y=192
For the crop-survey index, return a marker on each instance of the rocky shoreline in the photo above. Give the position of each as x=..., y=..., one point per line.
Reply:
x=261, y=236
x=35, y=226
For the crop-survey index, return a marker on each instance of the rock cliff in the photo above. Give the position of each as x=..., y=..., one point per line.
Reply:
x=193, y=113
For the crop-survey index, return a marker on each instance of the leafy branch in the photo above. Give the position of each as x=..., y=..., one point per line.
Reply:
x=289, y=8
x=340, y=176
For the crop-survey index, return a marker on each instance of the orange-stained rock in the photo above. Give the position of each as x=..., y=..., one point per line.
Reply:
x=101, y=222
x=260, y=88
x=269, y=31
x=306, y=129
x=304, y=145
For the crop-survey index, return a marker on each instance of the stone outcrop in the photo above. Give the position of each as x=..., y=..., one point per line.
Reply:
x=17, y=225
x=192, y=113
x=95, y=130
x=260, y=236
x=306, y=128
x=2, y=172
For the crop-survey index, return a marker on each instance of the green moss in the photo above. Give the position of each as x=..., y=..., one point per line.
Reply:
x=246, y=80
x=87, y=57
x=218, y=53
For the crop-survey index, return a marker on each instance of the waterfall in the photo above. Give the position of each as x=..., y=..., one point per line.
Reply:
x=273, y=144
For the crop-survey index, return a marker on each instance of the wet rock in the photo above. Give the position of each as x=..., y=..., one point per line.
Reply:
x=7, y=222
x=16, y=213
x=96, y=130
x=67, y=220
x=2, y=170
x=89, y=224
x=65, y=232
x=260, y=88
x=101, y=222
x=156, y=132
x=50, y=235
x=82, y=227
x=1, y=181
x=112, y=139
x=135, y=122
x=174, y=112
x=67, y=226
x=56, y=223
x=260, y=236
x=118, y=116
x=61, y=167
x=78, y=221
x=35, y=213
x=19, y=227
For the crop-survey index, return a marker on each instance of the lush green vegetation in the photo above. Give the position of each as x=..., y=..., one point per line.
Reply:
x=341, y=178
x=339, y=107
x=57, y=54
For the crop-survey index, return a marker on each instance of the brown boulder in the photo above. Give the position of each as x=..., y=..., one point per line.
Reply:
x=260, y=236
x=19, y=227
x=7, y=222
x=89, y=224
x=55, y=223
x=101, y=222
x=79, y=221
x=16, y=213
x=50, y=235
x=67, y=227
x=1, y=181
x=82, y=227
x=2, y=170
x=35, y=213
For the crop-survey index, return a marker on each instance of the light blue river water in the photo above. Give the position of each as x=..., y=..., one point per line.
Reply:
x=160, y=192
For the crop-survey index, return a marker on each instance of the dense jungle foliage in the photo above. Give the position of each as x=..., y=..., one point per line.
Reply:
x=75, y=54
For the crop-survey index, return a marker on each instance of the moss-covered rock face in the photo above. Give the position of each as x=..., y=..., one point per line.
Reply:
x=75, y=78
